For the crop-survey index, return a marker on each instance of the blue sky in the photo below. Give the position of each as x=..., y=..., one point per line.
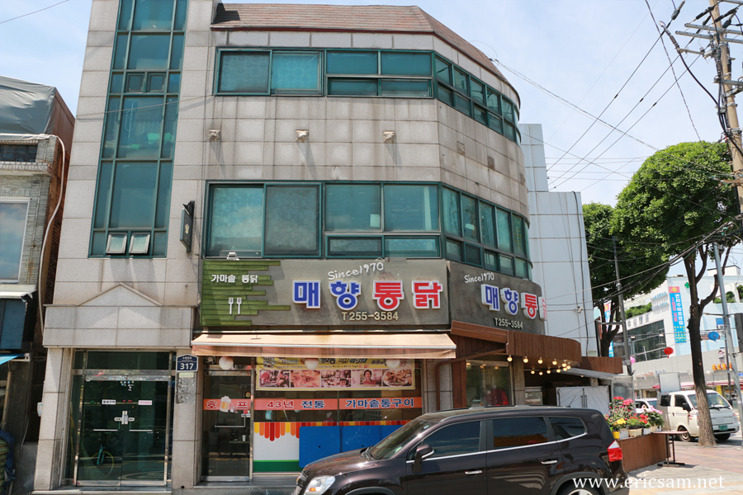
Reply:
x=582, y=50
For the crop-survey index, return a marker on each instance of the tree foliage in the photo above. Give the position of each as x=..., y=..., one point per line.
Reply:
x=673, y=202
x=638, y=266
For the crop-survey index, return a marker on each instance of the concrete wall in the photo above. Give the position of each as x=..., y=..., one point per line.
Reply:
x=557, y=241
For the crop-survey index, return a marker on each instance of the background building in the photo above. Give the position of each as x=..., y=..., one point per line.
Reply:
x=296, y=228
x=35, y=137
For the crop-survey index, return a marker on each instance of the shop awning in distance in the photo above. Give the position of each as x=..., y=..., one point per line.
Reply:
x=411, y=345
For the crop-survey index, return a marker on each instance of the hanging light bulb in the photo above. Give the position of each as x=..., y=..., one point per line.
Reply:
x=496, y=367
x=509, y=359
x=540, y=373
x=540, y=361
x=532, y=371
x=526, y=359
x=557, y=370
x=568, y=367
x=554, y=362
x=548, y=372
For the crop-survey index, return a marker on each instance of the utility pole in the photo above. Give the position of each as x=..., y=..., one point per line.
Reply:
x=723, y=71
x=728, y=333
x=625, y=337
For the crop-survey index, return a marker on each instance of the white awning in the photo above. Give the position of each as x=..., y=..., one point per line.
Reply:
x=411, y=345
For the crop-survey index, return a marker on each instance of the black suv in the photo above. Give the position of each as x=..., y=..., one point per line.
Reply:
x=518, y=450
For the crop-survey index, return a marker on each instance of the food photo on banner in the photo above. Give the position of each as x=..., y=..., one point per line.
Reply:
x=334, y=374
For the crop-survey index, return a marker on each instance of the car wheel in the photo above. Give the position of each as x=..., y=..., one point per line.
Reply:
x=722, y=438
x=684, y=436
x=570, y=489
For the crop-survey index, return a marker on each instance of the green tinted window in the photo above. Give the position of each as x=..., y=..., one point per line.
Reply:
x=353, y=207
x=117, y=81
x=406, y=64
x=355, y=87
x=411, y=208
x=174, y=83
x=452, y=221
x=454, y=250
x=295, y=72
x=461, y=104
x=393, y=87
x=244, y=72
x=359, y=247
x=411, y=247
x=112, y=124
x=504, y=230
x=493, y=101
x=506, y=265
x=521, y=271
x=140, y=127
x=352, y=62
x=469, y=218
x=133, y=198
x=292, y=220
x=236, y=221
x=149, y=52
x=495, y=123
x=176, y=56
x=508, y=110
x=509, y=131
x=444, y=95
x=153, y=15
x=443, y=71
x=180, y=14
x=460, y=81
x=480, y=115
x=104, y=187
x=171, y=120
x=490, y=261
x=519, y=239
x=125, y=15
x=472, y=254
x=163, y=195
x=478, y=92
x=121, y=49
x=487, y=224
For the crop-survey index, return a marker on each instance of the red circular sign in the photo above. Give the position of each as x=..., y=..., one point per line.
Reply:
x=668, y=351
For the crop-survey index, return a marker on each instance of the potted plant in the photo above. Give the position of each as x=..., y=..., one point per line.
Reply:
x=619, y=411
x=635, y=425
x=655, y=417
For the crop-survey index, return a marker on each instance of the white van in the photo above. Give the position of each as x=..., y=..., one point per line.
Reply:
x=680, y=413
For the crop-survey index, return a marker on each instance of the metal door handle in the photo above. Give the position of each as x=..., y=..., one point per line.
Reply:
x=552, y=461
x=146, y=431
x=104, y=429
x=471, y=473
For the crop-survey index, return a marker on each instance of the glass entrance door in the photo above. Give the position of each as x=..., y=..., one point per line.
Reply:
x=227, y=426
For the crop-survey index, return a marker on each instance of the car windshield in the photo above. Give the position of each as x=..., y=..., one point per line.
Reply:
x=397, y=440
x=713, y=398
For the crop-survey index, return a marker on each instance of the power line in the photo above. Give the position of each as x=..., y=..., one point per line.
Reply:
x=34, y=12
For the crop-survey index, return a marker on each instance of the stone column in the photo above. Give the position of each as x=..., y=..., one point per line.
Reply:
x=54, y=432
x=186, y=428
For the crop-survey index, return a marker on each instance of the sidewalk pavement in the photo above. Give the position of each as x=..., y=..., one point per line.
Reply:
x=708, y=470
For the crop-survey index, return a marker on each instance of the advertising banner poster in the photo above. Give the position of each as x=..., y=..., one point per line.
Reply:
x=334, y=374
x=677, y=313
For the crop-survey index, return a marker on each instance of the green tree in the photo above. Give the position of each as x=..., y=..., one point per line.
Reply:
x=636, y=264
x=675, y=202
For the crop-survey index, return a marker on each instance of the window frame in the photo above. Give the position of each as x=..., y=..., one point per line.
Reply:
x=439, y=235
x=113, y=124
x=26, y=201
x=552, y=430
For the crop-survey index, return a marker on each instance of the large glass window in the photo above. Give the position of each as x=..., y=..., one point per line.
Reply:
x=244, y=72
x=12, y=230
x=352, y=62
x=264, y=72
x=236, y=221
x=295, y=72
x=135, y=174
x=353, y=220
x=411, y=208
x=353, y=207
x=292, y=221
x=488, y=384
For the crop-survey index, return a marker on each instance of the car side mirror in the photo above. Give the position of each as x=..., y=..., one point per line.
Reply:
x=421, y=452
x=686, y=407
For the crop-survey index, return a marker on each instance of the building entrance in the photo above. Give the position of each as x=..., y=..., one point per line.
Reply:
x=122, y=426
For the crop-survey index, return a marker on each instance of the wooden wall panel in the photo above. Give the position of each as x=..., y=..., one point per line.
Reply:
x=642, y=451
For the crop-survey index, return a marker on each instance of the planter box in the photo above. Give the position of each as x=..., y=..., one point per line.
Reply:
x=642, y=451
